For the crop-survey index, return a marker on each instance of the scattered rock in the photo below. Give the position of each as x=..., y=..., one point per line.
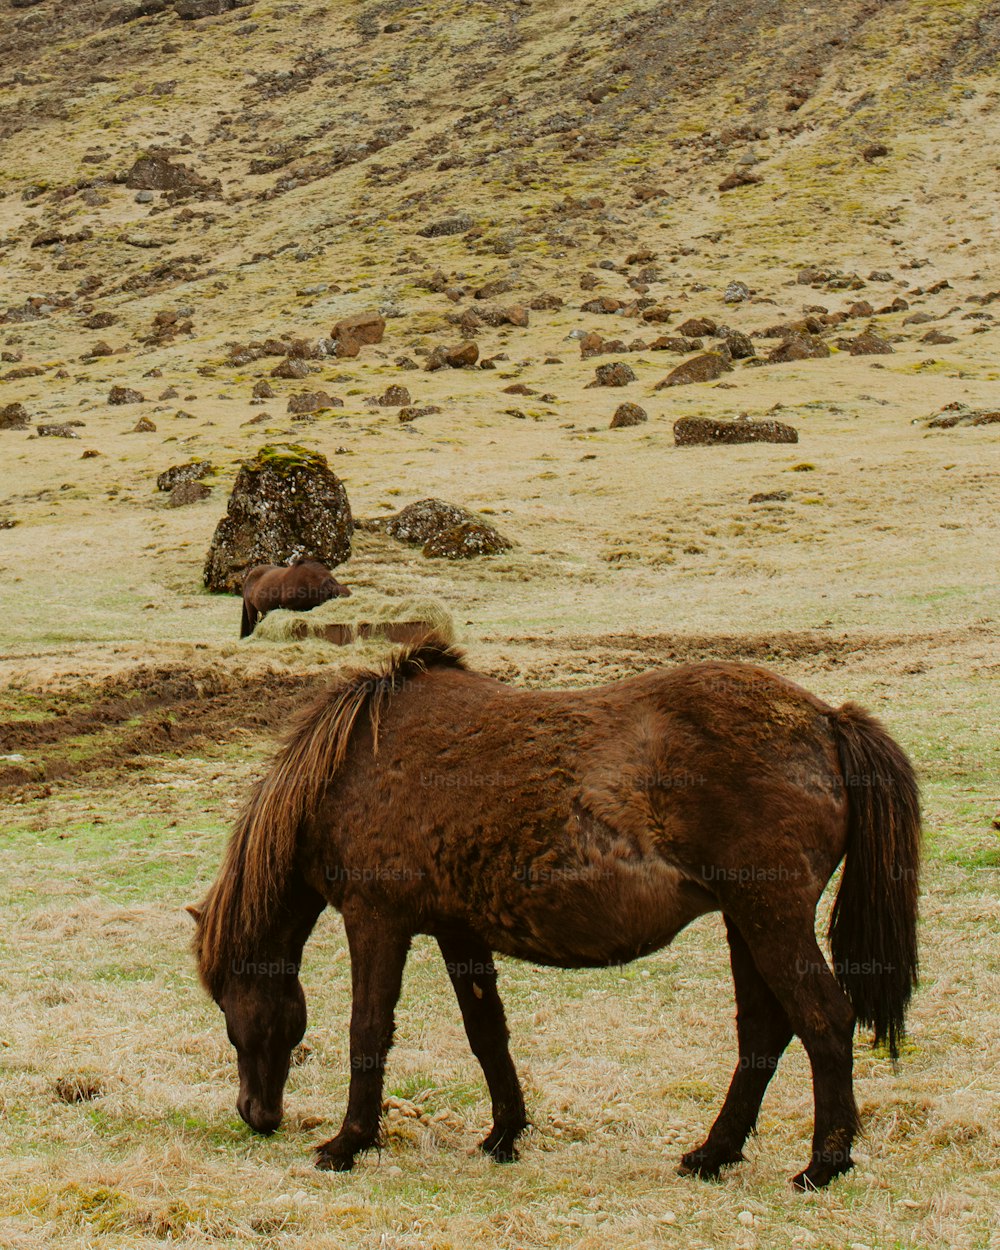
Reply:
x=740, y=345
x=458, y=224
x=393, y=397
x=144, y=426
x=626, y=415
x=696, y=431
x=938, y=338
x=286, y=502
x=291, y=368
x=263, y=390
x=153, y=171
x=742, y=176
x=462, y=357
x=14, y=417
x=869, y=344
x=674, y=343
x=736, y=292
x=193, y=10
x=798, y=347
x=188, y=492
x=61, y=429
x=958, y=414
x=658, y=314
x=606, y=304
x=361, y=330
x=697, y=327
x=125, y=395
x=591, y=345
x=465, y=541
x=616, y=373
x=313, y=401
x=177, y=474
x=411, y=414
x=704, y=368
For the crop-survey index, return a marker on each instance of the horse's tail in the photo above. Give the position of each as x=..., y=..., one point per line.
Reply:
x=873, y=928
x=249, y=621
x=259, y=859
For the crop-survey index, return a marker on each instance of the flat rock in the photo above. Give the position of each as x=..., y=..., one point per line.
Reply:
x=704, y=368
x=180, y=473
x=698, y=431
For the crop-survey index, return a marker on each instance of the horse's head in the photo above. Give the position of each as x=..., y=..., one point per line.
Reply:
x=265, y=1012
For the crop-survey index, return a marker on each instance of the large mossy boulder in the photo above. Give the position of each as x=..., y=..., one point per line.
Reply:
x=286, y=502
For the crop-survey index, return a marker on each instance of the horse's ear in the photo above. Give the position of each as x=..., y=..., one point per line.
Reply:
x=194, y=912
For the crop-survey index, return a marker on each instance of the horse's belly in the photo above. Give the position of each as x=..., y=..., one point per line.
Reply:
x=596, y=914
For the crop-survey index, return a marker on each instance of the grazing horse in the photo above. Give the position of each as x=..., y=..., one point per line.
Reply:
x=575, y=829
x=297, y=587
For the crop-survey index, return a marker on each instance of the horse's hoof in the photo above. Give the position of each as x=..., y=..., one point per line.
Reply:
x=331, y=1158
x=499, y=1145
x=819, y=1174
x=706, y=1164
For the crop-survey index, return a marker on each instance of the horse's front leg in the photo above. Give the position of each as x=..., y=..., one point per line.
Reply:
x=378, y=955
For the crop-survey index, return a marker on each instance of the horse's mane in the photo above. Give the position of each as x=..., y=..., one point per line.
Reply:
x=245, y=896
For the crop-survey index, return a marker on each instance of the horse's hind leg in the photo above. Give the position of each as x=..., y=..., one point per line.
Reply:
x=378, y=954
x=785, y=951
x=763, y=1031
x=470, y=966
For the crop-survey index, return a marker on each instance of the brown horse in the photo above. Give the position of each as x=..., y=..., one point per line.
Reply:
x=297, y=587
x=573, y=828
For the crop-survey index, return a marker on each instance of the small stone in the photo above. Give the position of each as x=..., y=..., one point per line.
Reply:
x=626, y=415
x=313, y=401
x=144, y=426
x=869, y=344
x=697, y=327
x=124, y=395
x=187, y=493
x=740, y=345
x=461, y=357
x=736, y=292
x=263, y=390
x=291, y=368
x=616, y=373
x=144, y=197
x=180, y=473
x=798, y=347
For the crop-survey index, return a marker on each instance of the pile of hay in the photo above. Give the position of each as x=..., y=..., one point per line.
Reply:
x=365, y=614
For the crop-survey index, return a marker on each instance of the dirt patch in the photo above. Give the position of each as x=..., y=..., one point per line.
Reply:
x=118, y=724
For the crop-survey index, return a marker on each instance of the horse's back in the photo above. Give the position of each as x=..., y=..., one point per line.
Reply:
x=581, y=826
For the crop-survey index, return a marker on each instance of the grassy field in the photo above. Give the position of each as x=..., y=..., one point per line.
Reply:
x=118, y=1084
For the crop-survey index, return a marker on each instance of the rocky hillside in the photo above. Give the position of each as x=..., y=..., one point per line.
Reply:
x=173, y=152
